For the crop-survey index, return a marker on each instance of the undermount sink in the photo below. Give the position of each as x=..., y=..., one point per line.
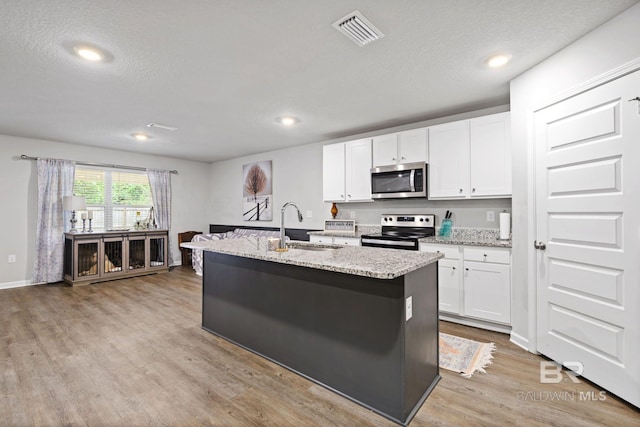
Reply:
x=312, y=247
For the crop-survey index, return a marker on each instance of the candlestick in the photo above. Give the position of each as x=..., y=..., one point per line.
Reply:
x=84, y=216
x=83, y=220
x=90, y=230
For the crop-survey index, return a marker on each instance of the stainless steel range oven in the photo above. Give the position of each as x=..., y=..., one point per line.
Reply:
x=401, y=231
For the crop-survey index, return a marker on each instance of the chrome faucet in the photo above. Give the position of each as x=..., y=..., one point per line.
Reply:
x=282, y=236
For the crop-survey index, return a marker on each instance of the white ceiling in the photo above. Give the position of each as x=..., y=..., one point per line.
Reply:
x=222, y=71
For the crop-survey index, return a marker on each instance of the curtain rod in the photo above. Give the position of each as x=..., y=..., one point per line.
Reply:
x=135, y=168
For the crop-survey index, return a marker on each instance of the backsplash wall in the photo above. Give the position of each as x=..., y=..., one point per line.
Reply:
x=466, y=213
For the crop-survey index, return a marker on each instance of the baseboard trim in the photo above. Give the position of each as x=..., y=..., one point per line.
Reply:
x=18, y=284
x=476, y=323
x=520, y=341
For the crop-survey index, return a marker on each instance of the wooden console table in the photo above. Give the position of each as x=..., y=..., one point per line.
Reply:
x=97, y=257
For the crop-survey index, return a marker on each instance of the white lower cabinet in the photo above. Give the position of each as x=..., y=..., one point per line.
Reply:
x=449, y=277
x=487, y=291
x=334, y=240
x=474, y=282
x=449, y=289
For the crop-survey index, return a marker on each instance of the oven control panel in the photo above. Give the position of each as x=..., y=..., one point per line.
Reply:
x=408, y=220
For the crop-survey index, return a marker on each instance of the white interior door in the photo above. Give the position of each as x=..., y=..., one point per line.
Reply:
x=587, y=209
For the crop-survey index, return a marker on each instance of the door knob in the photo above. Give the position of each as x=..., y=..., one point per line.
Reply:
x=539, y=245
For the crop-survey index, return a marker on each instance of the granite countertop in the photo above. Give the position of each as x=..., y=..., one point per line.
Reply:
x=471, y=237
x=378, y=263
x=496, y=243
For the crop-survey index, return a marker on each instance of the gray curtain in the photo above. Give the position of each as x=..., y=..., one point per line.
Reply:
x=55, y=180
x=160, y=183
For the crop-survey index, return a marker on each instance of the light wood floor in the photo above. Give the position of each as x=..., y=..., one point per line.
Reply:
x=132, y=353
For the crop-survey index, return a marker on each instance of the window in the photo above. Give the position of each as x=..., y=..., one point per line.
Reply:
x=116, y=198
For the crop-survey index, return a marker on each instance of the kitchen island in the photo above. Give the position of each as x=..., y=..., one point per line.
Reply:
x=362, y=322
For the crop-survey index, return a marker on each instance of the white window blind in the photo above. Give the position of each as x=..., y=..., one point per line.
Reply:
x=115, y=197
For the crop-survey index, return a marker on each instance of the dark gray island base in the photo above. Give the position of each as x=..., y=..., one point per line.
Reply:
x=345, y=332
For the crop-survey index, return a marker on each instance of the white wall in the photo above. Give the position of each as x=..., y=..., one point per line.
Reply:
x=18, y=191
x=609, y=46
x=297, y=176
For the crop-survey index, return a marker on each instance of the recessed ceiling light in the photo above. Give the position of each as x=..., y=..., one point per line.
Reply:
x=89, y=53
x=288, y=120
x=140, y=136
x=498, y=60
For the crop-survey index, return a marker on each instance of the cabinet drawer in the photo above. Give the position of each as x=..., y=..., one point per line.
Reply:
x=350, y=241
x=484, y=254
x=449, y=251
x=327, y=240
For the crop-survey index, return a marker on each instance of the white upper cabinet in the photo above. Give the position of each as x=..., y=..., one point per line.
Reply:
x=333, y=169
x=346, y=171
x=471, y=158
x=490, y=155
x=449, y=160
x=358, y=170
x=403, y=147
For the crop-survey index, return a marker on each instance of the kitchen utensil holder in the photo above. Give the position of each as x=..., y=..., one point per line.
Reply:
x=446, y=229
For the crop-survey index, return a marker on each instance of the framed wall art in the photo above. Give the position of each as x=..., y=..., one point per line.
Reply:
x=257, y=192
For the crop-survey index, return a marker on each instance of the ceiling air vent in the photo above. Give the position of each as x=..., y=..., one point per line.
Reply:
x=358, y=28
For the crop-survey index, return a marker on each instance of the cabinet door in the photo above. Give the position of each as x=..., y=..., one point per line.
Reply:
x=157, y=251
x=358, y=166
x=449, y=289
x=113, y=258
x=412, y=146
x=490, y=156
x=333, y=172
x=87, y=255
x=487, y=291
x=385, y=150
x=136, y=253
x=449, y=161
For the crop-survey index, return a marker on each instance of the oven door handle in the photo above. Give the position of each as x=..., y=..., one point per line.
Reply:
x=388, y=242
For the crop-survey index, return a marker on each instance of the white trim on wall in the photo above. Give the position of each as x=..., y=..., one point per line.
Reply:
x=520, y=341
x=18, y=284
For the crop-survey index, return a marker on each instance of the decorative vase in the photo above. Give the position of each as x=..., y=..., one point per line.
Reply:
x=334, y=210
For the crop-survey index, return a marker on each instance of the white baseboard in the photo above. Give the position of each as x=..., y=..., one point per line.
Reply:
x=476, y=323
x=18, y=284
x=519, y=340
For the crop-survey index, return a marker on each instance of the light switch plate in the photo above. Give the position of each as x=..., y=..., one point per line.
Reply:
x=491, y=216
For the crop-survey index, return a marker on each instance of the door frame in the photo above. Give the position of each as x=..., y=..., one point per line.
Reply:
x=531, y=342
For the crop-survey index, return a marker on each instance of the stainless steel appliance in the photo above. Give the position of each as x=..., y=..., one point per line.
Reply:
x=401, y=231
x=399, y=181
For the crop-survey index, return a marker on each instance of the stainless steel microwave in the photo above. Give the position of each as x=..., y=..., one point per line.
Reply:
x=399, y=181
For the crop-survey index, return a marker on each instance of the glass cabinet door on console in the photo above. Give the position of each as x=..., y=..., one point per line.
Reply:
x=113, y=255
x=87, y=256
x=136, y=253
x=157, y=251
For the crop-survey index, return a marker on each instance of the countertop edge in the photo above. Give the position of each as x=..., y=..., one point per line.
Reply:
x=353, y=269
